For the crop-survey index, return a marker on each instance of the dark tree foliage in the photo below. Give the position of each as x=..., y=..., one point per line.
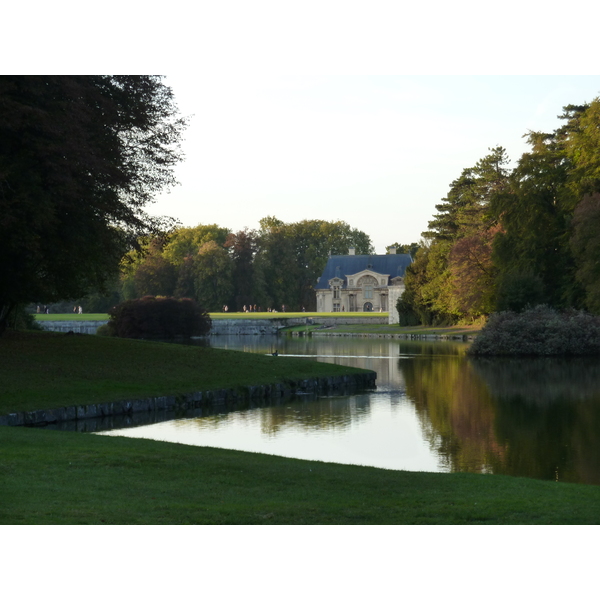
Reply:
x=151, y=317
x=242, y=248
x=80, y=157
x=291, y=256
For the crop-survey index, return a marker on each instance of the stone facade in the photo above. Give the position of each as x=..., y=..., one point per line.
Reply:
x=360, y=283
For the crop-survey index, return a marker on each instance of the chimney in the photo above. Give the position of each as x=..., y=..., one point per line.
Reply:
x=392, y=249
x=351, y=251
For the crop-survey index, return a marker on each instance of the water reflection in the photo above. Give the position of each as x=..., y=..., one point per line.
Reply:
x=435, y=409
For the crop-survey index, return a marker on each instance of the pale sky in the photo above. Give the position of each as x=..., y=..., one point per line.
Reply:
x=378, y=152
x=327, y=109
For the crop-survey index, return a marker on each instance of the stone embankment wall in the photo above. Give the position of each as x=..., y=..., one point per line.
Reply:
x=227, y=398
x=74, y=326
x=227, y=326
x=272, y=326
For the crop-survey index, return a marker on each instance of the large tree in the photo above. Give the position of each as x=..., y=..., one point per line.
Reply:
x=291, y=256
x=80, y=157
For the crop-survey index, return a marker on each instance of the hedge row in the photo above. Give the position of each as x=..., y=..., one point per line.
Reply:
x=540, y=331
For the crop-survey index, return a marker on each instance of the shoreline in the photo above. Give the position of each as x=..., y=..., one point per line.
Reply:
x=226, y=397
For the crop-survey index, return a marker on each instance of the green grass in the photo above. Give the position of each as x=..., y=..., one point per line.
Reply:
x=454, y=330
x=295, y=315
x=219, y=315
x=73, y=317
x=50, y=370
x=51, y=477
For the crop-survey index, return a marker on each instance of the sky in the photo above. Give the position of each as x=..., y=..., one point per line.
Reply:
x=329, y=109
x=376, y=151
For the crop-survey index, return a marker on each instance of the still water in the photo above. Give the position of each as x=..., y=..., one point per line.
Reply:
x=435, y=409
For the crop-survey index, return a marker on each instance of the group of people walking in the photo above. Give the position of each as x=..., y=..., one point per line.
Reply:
x=253, y=308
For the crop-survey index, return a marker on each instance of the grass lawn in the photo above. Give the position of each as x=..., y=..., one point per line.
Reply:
x=219, y=315
x=72, y=317
x=51, y=477
x=49, y=370
x=454, y=330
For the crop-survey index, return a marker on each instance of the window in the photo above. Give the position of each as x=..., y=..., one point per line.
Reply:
x=368, y=291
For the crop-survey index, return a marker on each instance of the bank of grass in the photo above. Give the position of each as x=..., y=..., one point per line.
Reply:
x=421, y=330
x=72, y=317
x=295, y=315
x=219, y=315
x=51, y=477
x=41, y=370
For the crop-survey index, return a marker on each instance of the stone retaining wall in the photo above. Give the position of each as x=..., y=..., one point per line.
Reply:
x=227, y=326
x=89, y=327
x=229, y=398
x=400, y=336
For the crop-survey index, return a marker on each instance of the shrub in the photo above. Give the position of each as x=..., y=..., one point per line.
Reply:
x=158, y=317
x=105, y=330
x=539, y=331
x=19, y=319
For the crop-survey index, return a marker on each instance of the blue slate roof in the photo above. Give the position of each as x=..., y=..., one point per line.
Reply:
x=393, y=265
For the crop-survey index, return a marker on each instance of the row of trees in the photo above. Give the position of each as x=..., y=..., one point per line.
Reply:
x=274, y=266
x=504, y=239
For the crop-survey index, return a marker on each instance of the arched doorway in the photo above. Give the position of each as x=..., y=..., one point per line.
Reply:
x=368, y=307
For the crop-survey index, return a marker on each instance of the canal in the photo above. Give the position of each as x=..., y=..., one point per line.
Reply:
x=434, y=409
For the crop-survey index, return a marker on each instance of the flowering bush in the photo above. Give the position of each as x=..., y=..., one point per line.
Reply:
x=539, y=331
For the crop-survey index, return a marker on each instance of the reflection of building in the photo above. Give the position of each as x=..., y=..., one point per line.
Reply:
x=362, y=283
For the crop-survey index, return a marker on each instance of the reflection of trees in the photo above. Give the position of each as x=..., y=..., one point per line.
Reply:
x=549, y=414
x=529, y=417
x=455, y=410
x=309, y=414
x=313, y=415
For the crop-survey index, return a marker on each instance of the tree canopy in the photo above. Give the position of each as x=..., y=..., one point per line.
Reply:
x=80, y=158
x=508, y=239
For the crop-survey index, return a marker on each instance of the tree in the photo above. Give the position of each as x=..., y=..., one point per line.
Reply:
x=453, y=275
x=242, y=248
x=186, y=241
x=585, y=243
x=80, y=157
x=290, y=258
x=534, y=212
x=411, y=249
x=213, y=271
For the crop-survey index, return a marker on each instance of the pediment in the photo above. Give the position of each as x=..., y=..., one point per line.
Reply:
x=367, y=277
x=335, y=281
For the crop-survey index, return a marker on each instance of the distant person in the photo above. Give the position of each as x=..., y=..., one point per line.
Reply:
x=80, y=310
